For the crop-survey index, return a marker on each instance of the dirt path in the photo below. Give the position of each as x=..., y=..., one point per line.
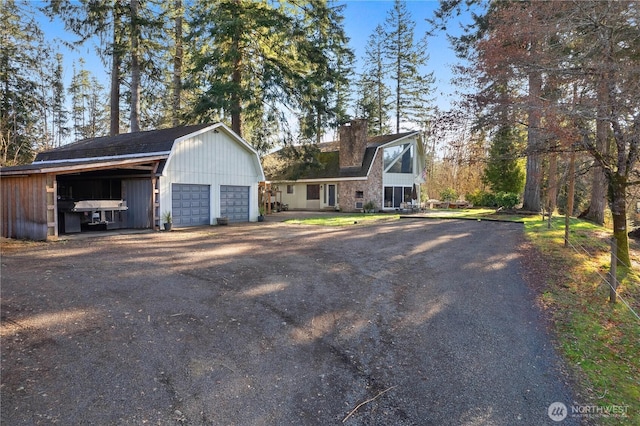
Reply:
x=265, y=324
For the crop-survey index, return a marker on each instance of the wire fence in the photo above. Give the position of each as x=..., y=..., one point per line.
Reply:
x=610, y=280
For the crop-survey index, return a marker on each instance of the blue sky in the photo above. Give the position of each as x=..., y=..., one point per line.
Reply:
x=361, y=17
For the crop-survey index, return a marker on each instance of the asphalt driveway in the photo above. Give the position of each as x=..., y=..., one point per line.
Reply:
x=411, y=322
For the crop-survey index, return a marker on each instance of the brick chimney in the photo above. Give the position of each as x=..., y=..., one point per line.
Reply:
x=353, y=143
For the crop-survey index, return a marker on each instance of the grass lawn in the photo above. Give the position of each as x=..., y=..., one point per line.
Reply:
x=599, y=340
x=344, y=219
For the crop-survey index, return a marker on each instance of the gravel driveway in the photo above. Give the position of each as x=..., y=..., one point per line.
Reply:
x=410, y=322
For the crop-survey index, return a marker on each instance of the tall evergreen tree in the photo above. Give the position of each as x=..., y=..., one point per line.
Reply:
x=518, y=43
x=166, y=98
x=323, y=93
x=406, y=58
x=104, y=19
x=23, y=49
x=87, y=104
x=607, y=49
x=145, y=46
x=116, y=55
x=60, y=128
x=178, y=61
x=374, y=95
x=134, y=34
x=132, y=31
x=254, y=60
x=240, y=53
x=503, y=171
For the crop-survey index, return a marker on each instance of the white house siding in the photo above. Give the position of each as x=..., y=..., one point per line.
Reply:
x=212, y=158
x=398, y=179
x=297, y=200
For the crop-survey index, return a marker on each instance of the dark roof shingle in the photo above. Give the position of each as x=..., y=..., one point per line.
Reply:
x=125, y=144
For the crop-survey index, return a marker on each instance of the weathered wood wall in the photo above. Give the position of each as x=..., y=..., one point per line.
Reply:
x=28, y=206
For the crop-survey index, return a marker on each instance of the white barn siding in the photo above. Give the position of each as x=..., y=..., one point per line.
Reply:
x=212, y=158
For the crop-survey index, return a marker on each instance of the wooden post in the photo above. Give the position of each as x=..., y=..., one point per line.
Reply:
x=52, y=205
x=552, y=191
x=566, y=228
x=155, y=191
x=613, y=271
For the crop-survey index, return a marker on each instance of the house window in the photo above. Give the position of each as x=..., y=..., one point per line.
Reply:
x=359, y=194
x=289, y=189
x=406, y=194
x=399, y=159
x=313, y=192
x=394, y=195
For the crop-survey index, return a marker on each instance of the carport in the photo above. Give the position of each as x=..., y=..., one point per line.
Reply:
x=39, y=201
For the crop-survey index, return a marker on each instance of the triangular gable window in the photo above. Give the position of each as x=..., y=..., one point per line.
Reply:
x=399, y=159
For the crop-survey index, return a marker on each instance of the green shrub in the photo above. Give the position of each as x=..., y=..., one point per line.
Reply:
x=448, y=194
x=369, y=207
x=481, y=198
x=507, y=200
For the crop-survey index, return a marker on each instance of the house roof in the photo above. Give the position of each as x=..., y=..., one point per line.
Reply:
x=324, y=163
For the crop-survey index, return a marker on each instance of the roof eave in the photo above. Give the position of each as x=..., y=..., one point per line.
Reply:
x=319, y=180
x=409, y=135
x=60, y=168
x=103, y=158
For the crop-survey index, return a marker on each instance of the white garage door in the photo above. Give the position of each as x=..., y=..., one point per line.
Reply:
x=190, y=204
x=234, y=203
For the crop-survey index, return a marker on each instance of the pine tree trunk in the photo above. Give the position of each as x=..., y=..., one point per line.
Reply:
x=531, y=198
x=114, y=120
x=598, y=203
x=552, y=193
x=380, y=113
x=398, y=103
x=236, y=78
x=135, y=68
x=572, y=184
x=236, y=108
x=570, y=195
x=177, y=65
x=318, y=125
